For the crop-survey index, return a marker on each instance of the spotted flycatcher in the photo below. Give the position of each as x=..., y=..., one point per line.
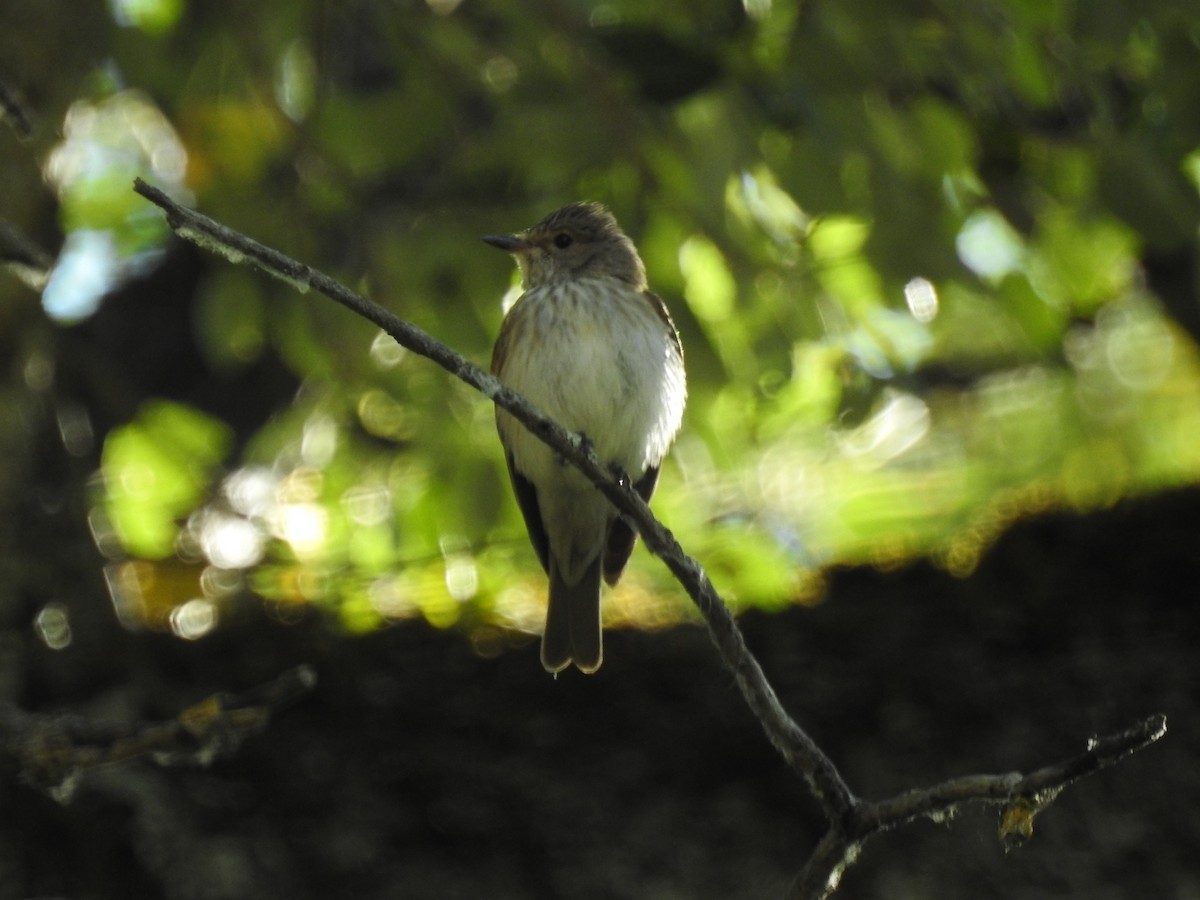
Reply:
x=591, y=347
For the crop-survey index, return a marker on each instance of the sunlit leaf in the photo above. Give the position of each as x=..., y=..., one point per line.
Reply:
x=155, y=17
x=157, y=469
x=1082, y=264
x=929, y=268
x=708, y=283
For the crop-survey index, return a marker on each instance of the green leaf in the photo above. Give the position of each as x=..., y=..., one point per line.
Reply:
x=156, y=470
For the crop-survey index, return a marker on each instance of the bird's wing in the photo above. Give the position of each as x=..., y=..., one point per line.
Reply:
x=665, y=314
x=621, y=536
x=527, y=500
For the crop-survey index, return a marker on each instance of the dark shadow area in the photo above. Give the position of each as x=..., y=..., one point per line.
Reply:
x=419, y=769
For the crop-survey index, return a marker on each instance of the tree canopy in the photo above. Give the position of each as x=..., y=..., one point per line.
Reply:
x=933, y=266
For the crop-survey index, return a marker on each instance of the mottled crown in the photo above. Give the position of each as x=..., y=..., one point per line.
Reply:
x=598, y=246
x=591, y=221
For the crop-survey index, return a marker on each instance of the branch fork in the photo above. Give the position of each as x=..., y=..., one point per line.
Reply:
x=851, y=820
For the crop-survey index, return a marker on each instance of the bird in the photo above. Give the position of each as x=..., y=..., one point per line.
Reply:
x=589, y=345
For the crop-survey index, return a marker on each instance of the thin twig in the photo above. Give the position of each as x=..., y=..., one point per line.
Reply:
x=1022, y=798
x=52, y=751
x=21, y=256
x=13, y=111
x=1037, y=787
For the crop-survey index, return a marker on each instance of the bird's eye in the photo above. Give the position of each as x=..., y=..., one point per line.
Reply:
x=562, y=240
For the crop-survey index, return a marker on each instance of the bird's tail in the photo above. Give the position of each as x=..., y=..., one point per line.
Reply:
x=572, y=632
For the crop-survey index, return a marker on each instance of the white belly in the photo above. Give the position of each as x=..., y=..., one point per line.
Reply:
x=604, y=366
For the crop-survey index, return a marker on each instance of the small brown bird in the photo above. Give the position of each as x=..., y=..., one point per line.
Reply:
x=591, y=347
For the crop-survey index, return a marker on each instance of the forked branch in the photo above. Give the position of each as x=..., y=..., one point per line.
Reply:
x=851, y=820
x=52, y=752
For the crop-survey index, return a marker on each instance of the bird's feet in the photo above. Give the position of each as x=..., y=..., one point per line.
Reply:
x=621, y=476
x=615, y=469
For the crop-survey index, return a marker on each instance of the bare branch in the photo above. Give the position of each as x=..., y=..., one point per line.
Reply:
x=1021, y=797
x=13, y=111
x=851, y=820
x=21, y=256
x=792, y=742
x=53, y=752
x=823, y=871
x=1037, y=789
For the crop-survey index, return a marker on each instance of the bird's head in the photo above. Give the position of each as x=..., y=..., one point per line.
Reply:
x=581, y=240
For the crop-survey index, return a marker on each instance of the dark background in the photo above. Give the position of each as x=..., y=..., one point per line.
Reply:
x=418, y=769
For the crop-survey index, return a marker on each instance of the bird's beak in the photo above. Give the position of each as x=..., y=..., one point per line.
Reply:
x=509, y=243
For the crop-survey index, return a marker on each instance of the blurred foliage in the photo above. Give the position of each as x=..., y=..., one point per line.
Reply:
x=934, y=265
